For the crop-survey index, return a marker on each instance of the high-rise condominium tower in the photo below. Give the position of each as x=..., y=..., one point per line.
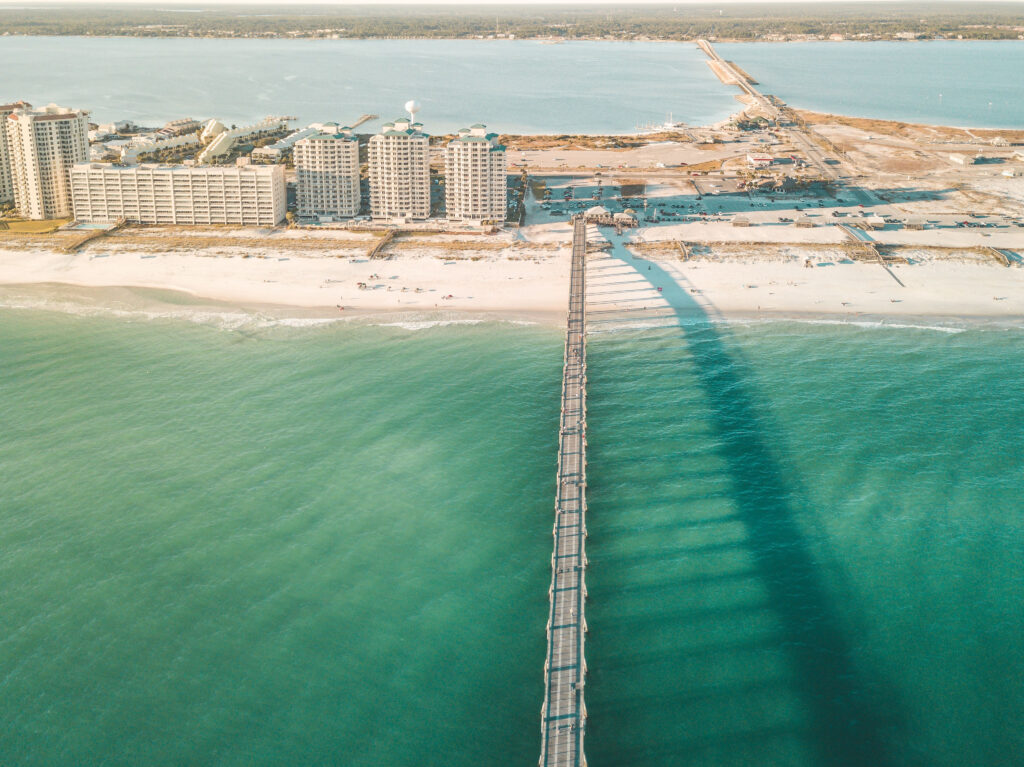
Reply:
x=400, y=171
x=475, y=177
x=6, y=186
x=327, y=171
x=43, y=145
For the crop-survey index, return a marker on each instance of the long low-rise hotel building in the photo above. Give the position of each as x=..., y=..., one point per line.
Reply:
x=251, y=195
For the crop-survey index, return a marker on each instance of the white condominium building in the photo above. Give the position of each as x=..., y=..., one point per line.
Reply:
x=43, y=145
x=251, y=195
x=6, y=186
x=400, y=172
x=475, y=177
x=327, y=172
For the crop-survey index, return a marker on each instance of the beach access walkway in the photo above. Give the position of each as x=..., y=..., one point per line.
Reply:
x=564, y=715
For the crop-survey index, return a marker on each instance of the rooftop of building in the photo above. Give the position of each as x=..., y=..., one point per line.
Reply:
x=479, y=138
x=341, y=133
x=489, y=138
x=402, y=126
x=49, y=112
x=478, y=134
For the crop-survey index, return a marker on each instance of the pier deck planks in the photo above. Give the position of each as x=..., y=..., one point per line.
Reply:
x=564, y=715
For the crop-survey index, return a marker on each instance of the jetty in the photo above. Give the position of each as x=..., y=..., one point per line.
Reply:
x=564, y=715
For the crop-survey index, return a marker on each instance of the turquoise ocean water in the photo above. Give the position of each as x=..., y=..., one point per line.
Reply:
x=588, y=87
x=270, y=544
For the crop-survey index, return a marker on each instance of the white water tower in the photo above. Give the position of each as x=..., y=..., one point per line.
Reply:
x=412, y=107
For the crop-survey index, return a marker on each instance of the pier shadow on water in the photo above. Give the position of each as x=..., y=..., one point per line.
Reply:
x=714, y=636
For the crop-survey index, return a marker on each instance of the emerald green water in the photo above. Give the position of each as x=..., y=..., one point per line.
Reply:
x=330, y=544
x=297, y=546
x=807, y=546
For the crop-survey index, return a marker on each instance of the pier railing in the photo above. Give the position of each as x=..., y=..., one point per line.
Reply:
x=564, y=714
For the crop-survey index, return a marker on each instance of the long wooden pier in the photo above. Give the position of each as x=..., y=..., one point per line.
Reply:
x=564, y=715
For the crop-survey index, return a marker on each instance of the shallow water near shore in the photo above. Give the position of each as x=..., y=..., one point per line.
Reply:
x=331, y=543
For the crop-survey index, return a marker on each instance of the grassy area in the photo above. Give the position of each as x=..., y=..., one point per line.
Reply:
x=704, y=167
x=24, y=226
x=912, y=131
x=184, y=242
x=573, y=141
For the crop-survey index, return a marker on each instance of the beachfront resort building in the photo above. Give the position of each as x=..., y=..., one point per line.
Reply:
x=249, y=195
x=180, y=127
x=474, y=165
x=6, y=185
x=327, y=174
x=400, y=172
x=282, y=148
x=222, y=139
x=42, y=147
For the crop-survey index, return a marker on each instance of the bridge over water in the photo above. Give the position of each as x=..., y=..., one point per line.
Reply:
x=776, y=109
x=564, y=714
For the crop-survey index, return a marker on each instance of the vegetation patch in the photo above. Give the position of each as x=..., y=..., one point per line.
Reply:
x=25, y=226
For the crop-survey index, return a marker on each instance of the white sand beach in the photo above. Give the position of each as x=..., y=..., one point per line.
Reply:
x=743, y=280
x=621, y=282
x=414, y=284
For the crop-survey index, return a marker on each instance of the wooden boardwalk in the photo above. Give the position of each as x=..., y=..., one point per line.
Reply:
x=564, y=715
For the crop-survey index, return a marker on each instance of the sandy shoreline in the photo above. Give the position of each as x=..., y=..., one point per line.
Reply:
x=622, y=286
x=321, y=286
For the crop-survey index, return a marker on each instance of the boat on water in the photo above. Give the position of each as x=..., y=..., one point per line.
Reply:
x=668, y=125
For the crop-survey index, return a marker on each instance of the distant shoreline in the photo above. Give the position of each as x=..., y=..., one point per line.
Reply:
x=547, y=40
x=733, y=22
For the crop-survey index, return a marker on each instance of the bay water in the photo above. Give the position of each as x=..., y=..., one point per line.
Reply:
x=275, y=542
x=967, y=83
x=520, y=86
x=512, y=86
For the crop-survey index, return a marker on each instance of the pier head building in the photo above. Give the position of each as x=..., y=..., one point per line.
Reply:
x=475, y=178
x=42, y=145
x=327, y=174
x=399, y=158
